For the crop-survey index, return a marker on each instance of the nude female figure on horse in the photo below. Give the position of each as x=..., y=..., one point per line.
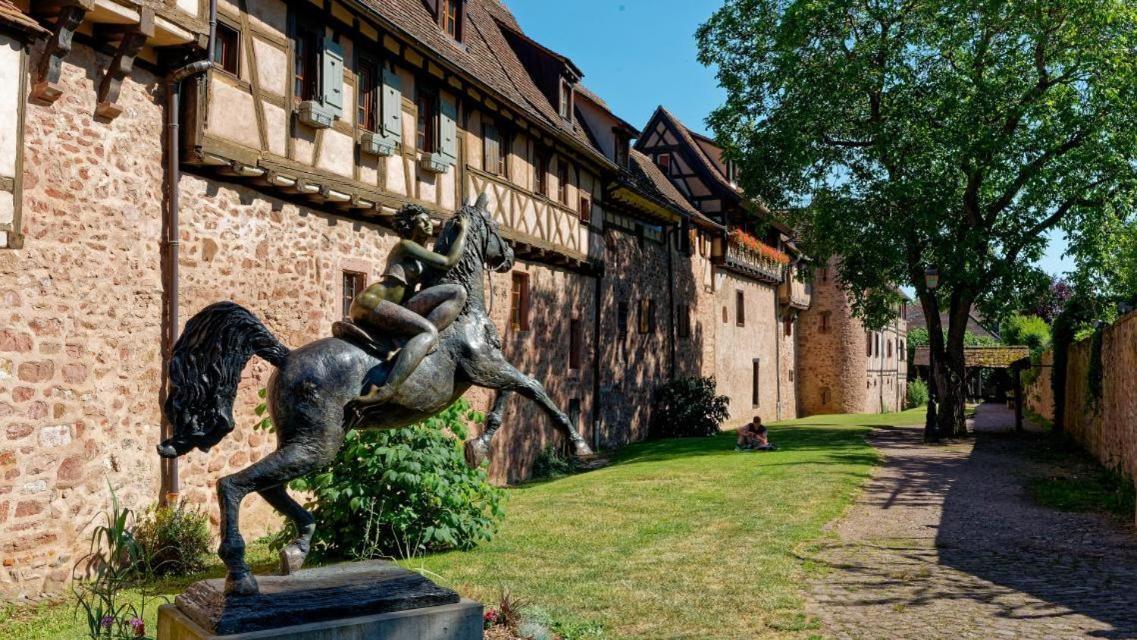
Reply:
x=391, y=307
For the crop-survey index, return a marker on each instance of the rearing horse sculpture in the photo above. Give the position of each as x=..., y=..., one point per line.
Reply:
x=309, y=393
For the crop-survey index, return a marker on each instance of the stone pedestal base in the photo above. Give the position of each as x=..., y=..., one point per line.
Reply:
x=462, y=621
x=359, y=601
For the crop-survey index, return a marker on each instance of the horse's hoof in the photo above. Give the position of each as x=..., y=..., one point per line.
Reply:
x=477, y=452
x=241, y=585
x=291, y=559
x=580, y=449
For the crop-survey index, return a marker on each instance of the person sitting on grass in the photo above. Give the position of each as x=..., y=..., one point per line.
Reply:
x=753, y=437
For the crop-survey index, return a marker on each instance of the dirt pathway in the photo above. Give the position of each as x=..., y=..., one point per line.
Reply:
x=945, y=543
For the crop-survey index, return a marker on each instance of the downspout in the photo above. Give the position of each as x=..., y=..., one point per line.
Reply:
x=778, y=334
x=172, y=484
x=671, y=307
x=597, y=406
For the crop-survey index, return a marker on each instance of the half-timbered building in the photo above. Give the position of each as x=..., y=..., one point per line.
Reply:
x=158, y=157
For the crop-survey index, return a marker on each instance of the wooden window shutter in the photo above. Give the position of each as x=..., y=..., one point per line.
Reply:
x=448, y=129
x=332, y=76
x=392, y=105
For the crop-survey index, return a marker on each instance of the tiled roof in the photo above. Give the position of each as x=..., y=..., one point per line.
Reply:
x=486, y=56
x=981, y=357
x=11, y=15
x=651, y=181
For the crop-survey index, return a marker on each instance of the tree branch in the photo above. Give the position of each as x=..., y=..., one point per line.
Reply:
x=1029, y=171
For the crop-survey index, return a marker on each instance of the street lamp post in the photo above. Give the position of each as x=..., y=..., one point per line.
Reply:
x=931, y=433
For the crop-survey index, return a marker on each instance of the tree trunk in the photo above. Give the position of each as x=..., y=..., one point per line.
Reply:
x=951, y=417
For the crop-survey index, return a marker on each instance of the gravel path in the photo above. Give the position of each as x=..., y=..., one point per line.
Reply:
x=945, y=543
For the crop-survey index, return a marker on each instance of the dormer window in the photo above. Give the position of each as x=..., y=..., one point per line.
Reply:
x=664, y=163
x=623, y=144
x=565, y=108
x=450, y=18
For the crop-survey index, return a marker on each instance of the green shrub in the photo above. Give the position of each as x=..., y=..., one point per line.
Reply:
x=1029, y=331
x=688, y=407
x=176, y=539
x=917, y=393
x=552, y=462
x=403, y=492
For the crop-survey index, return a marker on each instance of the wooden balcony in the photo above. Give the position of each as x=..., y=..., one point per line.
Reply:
x=766, y=264
x=794, y=291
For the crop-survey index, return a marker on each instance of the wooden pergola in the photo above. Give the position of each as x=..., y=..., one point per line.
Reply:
x=1011, y=359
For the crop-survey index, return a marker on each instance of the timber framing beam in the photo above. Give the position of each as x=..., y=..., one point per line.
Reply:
x=64, y=17
x=128, y=41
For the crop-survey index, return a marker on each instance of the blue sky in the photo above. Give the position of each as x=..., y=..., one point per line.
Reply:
x=639, y=54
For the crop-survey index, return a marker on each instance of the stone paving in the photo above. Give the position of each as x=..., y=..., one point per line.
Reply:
x=945, y=543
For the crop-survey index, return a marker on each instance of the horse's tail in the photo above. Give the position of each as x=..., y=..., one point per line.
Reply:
x=205, y=368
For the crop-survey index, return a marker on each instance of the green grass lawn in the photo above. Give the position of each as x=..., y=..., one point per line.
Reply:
x=676, y=539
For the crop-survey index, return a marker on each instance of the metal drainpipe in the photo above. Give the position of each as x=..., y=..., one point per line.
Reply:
x=597, y=403
x=173, y=201
x=777, y=357
x=671, y=304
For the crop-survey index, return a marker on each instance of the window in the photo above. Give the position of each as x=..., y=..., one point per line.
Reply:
x=307, y=85
x=739, y=308
x=541, y=173
x=519, y=303
x=890, y=348
x=565, y=107
x=226, y=49
x=368, y=90
x=664, y=162
x=353, y=284
x=825, y=321
x=755, y=388
x=789, y=322
x=562, y=180
x=622, y=321
x=868, y=344
x=876, y=350
x=683, y=321
x=725, y=315
x=450, y=18
x=492, y=156
x=585, y=209
x=647, y=316
x=703, y=245
x=574, y=343
x=622, y=146
x=427, y=109
x=825, y=397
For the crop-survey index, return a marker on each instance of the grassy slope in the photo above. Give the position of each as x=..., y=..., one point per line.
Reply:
x=677, y=539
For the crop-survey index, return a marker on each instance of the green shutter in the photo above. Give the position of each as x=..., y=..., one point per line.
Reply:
x=392, y=105
x=332, y=76
x=448, y=129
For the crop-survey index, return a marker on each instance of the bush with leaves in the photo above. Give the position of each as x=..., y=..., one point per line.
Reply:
x=688, y=407
x=917, y=395
x=1028, y=331
x=176, y=539
x=552, y=462
x=403, y=492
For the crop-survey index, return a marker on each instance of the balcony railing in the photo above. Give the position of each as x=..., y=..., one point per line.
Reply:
x=752, y=257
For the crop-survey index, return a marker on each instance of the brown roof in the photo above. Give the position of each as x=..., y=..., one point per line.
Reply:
x=696, y=142
x=976, y=324
x=650, y=181
x=486, y=58
x=11, y=15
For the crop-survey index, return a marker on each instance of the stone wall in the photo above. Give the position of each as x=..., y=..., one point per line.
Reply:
x=1106, y=427
x=738, y=347
x=82, y=308
x=1040, y=393
x=839, y=373
x=831, y=351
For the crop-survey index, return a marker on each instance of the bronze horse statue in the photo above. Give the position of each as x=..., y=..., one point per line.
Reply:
x=311, y=392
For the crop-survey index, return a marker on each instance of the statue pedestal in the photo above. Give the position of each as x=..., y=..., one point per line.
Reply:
x=356, y=601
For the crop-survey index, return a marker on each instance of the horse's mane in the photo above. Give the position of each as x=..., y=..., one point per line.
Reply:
x=469, y=266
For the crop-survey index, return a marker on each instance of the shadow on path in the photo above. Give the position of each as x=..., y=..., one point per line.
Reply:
x=946, y=543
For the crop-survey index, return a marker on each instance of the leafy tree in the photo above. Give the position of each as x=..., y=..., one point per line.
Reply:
x=1029, y=331
x=905, y=134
